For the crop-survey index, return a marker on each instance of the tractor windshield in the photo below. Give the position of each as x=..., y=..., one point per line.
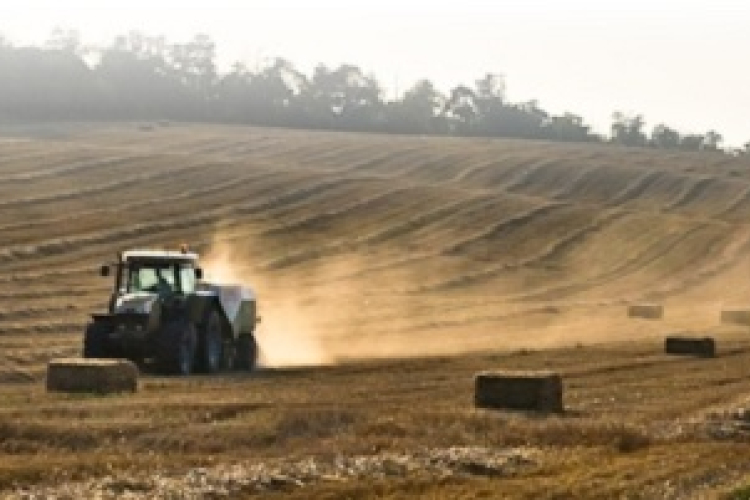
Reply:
x=160, y=277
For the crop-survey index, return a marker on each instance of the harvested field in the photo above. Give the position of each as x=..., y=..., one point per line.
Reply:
x=390, y=270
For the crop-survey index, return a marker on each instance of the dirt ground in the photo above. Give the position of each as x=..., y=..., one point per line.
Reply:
x=390, y=270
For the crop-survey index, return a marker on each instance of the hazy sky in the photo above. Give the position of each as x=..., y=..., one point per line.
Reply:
x=684, y=63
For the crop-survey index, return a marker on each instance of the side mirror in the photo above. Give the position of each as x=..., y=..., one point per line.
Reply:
x=198, y=273
x=104, y=271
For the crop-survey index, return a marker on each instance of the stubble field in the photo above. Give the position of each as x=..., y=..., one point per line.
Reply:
x=389, y=271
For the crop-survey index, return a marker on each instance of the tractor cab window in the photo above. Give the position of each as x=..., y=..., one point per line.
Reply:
x=151, y=278
x=187, y=279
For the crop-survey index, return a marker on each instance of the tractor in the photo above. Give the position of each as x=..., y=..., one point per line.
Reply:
x=163, y=312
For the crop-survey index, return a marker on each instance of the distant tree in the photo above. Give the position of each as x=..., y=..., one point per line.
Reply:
x=461, y=109
x=568, y=127
x=234, y=102
x=711, y=141
x=628, y=130
x=490, y=93
x=143, y=77
x=418, y=111
x=665, y=137
x=530, y=120
x=37, y=83
x=491, y=112
x=274, y=92
x=194, y=64
x=692, y=142
x=344, y=97
x=139, y=81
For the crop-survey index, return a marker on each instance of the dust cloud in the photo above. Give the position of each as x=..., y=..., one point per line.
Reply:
x=286, y=335
x=330, y=310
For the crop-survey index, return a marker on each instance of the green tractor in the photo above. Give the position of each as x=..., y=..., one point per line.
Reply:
x=162, y=311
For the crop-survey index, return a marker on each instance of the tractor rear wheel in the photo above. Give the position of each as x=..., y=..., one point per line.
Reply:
x=210, y=352
x=176, y=347
x=246, y=353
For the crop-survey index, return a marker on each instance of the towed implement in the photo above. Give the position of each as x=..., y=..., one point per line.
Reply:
x=160, y=310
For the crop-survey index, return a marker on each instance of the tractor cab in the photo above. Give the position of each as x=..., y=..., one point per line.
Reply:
x=143, y=273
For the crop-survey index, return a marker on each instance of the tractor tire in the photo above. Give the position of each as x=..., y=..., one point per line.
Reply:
x=246, y=353
x=95, y=341
x=228, y=355
x=176, y=348
x=211, y=344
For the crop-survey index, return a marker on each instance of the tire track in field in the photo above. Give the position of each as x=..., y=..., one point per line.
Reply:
x=528, y=177
x=645, y=257
x=503, y=225
x=387, y=163
x=550, y=253
x=690, y=193
x=634, y=190
x=738, y=208
x=47, y=158
x=97, y=189
x=731, y=254
x=220, y=188
x=384, y=235
x=503, y=179
x=469, y=172
x=437, y=168
x=566, y=190
x=221, y=148
x=149, y=174
x=323, y=216
x=58, y=246
x=76, y=167
x=339, y=157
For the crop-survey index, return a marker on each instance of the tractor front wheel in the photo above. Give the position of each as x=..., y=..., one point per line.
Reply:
x=95, y=341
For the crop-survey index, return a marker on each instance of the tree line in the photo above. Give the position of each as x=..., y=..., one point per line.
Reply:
x=140, y=77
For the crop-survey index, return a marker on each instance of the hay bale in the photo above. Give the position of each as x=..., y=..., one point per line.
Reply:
x=646, y=311
x=535, y=391
x=101, y=376
x=704, y=347
x=736, y=317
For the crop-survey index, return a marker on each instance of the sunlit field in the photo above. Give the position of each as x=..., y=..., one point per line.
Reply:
x=389, y=270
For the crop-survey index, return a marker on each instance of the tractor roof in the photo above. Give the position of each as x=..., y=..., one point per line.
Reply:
x=167, y=255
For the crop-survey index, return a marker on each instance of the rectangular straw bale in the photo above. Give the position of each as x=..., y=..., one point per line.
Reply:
x=534, y=391
x=736, y=317
x=100, y=376
x=704, y=347
x=646, y=311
